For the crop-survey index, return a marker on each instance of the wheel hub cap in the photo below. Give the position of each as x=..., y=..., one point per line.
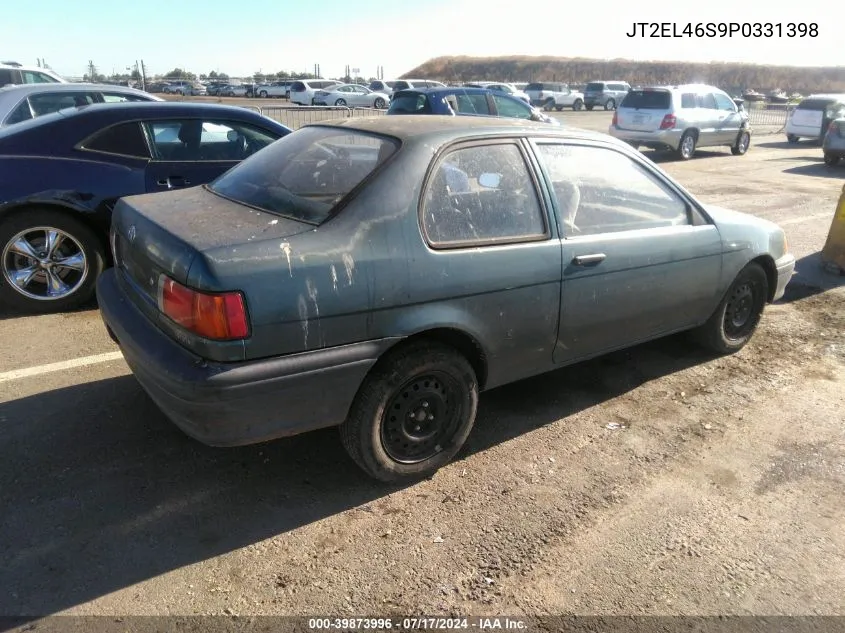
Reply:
x=44, y=263
x=739, y=310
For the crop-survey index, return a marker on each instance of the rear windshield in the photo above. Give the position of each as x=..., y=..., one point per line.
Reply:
x=534, y=87
x=409, y=103
x=297, y=86
x=304, y=176
x=595, y=85
x=647, y=100
x=816, y=104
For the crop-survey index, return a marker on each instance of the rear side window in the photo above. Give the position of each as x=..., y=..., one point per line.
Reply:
x=401, y=85
x=648, y=100
x=305, y=175
x=297, y=86
x=472, y=104
x=482, y=194
x=53, y=102
x=595, y=86
x=409, y=103
x=513, y=108
x=21, y=113
x=126, y=139
x=534, y=87
x=687, y=100
x=707, y=101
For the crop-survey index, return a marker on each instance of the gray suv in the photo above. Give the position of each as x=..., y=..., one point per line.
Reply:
x=607, y=94
x=681, y=118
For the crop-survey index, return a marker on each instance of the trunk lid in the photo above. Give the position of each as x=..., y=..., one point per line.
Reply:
x=643, y=110
x=163, y=233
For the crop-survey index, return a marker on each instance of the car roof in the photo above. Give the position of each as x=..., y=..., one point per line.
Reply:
x=130, y=110
x=447, y=90
x=28, y=89
x=435, y=125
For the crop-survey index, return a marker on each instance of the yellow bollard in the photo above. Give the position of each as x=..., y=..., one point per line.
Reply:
x=833, y=253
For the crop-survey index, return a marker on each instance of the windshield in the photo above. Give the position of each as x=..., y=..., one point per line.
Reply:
x=303, y=176
x=647, y=100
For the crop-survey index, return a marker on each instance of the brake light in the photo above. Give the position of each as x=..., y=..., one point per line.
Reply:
x=218, y=316
x=668, y=122
x=615, y=119
x=833, y=128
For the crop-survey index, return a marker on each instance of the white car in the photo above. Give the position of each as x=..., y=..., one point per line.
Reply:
x=352, y=96
x=15, y=73
x=275, y=89
x=811, y=117
x=302, y=91
x=553, y=94
x=504, y=88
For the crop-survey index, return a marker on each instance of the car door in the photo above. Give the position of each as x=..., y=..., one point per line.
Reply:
x=361, y=97
x=639, y=260
x=190, y=152
x=709, y=131
x=729, y=121
x=494, y=253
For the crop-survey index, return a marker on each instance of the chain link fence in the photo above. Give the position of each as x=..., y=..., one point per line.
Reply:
x=768, y=117
x=296, y=116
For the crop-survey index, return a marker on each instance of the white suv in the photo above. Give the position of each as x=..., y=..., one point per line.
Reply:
x=302, y=91
x=15, y=73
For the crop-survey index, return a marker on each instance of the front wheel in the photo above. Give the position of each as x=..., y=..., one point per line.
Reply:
x=263, y=94
x=340, y=102
x=735, y=320
x=378, y=103
x=742, y=143
x=50, y=261
x=549, y=105
x=589, y=108
x=577, y=105
x=413, y=413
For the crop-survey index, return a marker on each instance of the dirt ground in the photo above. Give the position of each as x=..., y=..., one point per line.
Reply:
x=659, y=480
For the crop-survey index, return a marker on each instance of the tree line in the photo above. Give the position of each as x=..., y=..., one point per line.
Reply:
x=728, y=76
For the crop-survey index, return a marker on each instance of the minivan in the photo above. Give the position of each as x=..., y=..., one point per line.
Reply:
x=302, y=91
x=607, y=94
x=812, y=116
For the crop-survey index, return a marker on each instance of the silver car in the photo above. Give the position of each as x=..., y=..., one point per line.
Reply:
x=681, y=119
x=26, y=101
x=607, y=94
x=834, y=142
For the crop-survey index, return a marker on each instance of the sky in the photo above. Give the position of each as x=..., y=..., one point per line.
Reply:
x=241, y=38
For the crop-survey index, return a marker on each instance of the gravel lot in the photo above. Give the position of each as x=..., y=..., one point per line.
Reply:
x=718, y=489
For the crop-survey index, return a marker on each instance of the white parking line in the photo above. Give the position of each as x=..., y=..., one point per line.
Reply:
x=17, y=374
x=804, y=218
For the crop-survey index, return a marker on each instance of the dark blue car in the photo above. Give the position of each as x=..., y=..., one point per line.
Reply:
x=464, y=101
x=62, y=173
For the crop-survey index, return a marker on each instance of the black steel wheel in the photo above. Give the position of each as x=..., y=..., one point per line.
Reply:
x=413, y=413
x=733, y=323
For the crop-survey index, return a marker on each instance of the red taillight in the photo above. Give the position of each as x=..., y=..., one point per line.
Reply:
x=833, y=128
x=615, y=119
x=668, y=122
x=219, y=316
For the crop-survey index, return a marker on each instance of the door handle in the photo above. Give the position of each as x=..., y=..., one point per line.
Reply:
x=587, y=260
x=173, y=181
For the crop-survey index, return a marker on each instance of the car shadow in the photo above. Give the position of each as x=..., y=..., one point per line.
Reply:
x=818, y=170
x=803, y=144
x=99, y=491
x=665, y=156
x=8, y=312
x=810, y=278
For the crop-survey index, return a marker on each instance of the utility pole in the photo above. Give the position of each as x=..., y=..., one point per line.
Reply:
x=143, y=76
x=92, y=71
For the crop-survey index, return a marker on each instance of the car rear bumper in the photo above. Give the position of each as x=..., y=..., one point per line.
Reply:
x=661, y=139
x=805, y=131
x=834, y=145
x=785, y=267
x=232, y=404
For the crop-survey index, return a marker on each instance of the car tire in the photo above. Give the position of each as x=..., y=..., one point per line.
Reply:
x=589, y=108
x=340, y=102
x=743, y=142
x=263, y=94
x=831, y=160
x=733, y=323
x=578, y=105
x=558, y=108
x=686, y=148
x=379, y=103
x=80, y=243
x=610, y=104
x=549, y=105
x=421, y=383
x=791, y=138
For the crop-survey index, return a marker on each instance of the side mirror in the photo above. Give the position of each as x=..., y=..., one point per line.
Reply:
x=489, y=180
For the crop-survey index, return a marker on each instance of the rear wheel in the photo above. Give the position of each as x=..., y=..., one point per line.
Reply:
x=263, y=94
x=558, y=108
x=413, y=413
x=735, y=320
x=610, y=104
x=831, y=160
x=549, y=105
x=578, y=105
x=340, y=102
x=686, y=148
x=50, y=261
x=589, y=107
x=378, y=103
x=791, y=138
x=742, y=143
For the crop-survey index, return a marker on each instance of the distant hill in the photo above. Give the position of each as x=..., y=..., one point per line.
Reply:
x=728, y=76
